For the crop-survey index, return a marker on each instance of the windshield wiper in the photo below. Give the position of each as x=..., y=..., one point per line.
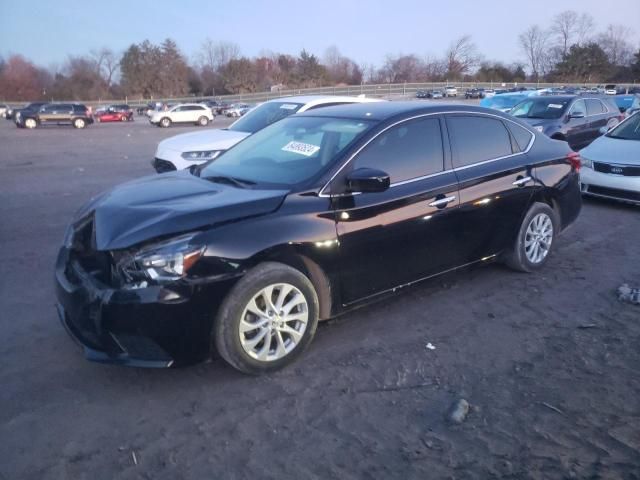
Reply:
x=236, y=182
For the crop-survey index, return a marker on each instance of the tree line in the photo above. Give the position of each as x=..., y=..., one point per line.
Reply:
x=569, y=50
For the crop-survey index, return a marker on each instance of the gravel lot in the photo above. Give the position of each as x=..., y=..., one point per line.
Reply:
x=549, y=362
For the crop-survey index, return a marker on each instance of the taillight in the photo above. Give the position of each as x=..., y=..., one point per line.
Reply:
x=574, y=160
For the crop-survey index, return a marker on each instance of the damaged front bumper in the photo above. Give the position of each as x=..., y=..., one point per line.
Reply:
x=157, y=326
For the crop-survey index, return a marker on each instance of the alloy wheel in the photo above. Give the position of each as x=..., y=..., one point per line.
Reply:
x=30, y=123
x=538, y=238
x=273, y=322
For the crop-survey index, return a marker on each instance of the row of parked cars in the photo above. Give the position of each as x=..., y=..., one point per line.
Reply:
x=78, y=115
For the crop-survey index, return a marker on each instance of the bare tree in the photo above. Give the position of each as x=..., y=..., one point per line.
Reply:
x=569, y=28
x=534, y=42
x=461, y=56
x=614, y=42
x=106, y=63
x=215, y=55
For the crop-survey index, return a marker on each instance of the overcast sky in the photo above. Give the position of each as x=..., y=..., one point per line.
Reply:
x=47, y=31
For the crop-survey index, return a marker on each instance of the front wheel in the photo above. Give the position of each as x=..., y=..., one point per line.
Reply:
x=535, y=239
x=30, y=123
x=79, y=123
x=165, y=122
x=267, y=320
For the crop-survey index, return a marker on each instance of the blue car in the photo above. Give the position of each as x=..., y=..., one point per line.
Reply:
x=628, y=104
x=506, y=101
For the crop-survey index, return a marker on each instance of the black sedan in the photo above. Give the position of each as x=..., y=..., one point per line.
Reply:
x=309, y=217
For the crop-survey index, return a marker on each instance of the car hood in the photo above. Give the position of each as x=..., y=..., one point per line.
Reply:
x=206, y=140
x=159, y=205
x=613, y=150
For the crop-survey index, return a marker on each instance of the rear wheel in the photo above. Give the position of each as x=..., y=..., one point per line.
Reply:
x=79, y=123
x=124, y=118
x=535, y=239
x=267, y=319
x=165, y=122
x=30, y=123
x=203, y=121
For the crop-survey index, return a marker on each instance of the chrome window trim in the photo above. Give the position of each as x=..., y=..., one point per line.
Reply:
x=417, y=179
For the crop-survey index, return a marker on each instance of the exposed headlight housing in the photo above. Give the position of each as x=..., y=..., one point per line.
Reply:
x=201, y=155
x=585, y=162
x=161, y=262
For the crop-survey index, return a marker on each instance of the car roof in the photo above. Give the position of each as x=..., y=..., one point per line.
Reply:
x=385, y=110
x=320, y=99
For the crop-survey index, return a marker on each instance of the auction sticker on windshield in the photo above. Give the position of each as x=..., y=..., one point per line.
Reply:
x=305, y=149
x=288, y=106
x=555, y=105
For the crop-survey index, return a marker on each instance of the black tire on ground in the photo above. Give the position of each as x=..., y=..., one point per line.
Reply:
x=517, y=258
x=225, y=332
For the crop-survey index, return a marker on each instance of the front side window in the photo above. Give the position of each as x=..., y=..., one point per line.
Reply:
x=477, y=139
x=410, y=150
x=288, y=152
x=578, y=108
x=264, y=115
x=627, y=130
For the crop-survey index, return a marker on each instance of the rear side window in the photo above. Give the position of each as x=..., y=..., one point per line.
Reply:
x=521, y=135
x=477, y=139
x=595, y=107
x=409, y=150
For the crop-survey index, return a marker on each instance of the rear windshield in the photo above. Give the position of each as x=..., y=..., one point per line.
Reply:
x=264, y=115
x=501, y=101
x=545, y=107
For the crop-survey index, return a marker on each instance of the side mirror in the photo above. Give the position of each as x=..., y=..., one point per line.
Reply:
x=368, y=180
x=576, y=115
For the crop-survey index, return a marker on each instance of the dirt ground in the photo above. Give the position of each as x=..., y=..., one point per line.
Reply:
x=549, y=362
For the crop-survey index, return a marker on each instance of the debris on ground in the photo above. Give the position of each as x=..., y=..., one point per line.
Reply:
x=458, y=411
x=551, y=407
x=430, y=346
x=629, y=294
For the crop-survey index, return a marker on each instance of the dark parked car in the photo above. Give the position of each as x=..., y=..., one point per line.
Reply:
x=474, y=93
x=576, y=119
x=55, y=114
x=311, y=216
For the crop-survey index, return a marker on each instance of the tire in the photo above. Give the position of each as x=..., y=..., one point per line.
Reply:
x=165, y=122
x=203, y=121
x=79, y=123
x=30, y=123
x=534, y=229
x=236, y=347
x=124, y=118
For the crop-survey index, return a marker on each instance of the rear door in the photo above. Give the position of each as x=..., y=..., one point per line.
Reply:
x=47, y=114
x=406, y=233
x=598, y=116
x=495, y=178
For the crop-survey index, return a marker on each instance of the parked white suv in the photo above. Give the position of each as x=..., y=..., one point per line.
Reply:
x=183, y=151
x=183, y=113
x=450, y=91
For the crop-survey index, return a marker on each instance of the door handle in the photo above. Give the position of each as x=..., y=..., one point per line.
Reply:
x=520, y=182
x=442, y=202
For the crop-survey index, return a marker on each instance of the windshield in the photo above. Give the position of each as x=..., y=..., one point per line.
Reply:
x=629, y=130
x=264, y=115
x=540, y=108
x=501, y=101
x=288, y=152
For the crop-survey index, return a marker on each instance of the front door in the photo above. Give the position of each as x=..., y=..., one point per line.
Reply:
x=406, y=233
x=577, y=125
